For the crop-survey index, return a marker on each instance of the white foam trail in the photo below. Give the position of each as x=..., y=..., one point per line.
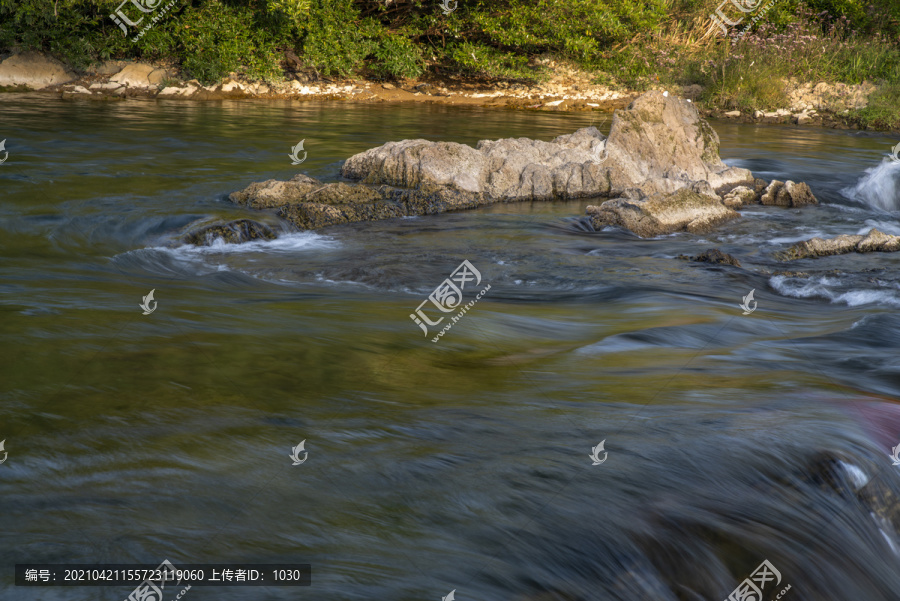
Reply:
x=878, y=188
x=855, y=474
x=823, y=287
x=213, y=257
x=284, y=243
x=806, y=235
x=884, y=527
x=887, y=227
x=855, y=298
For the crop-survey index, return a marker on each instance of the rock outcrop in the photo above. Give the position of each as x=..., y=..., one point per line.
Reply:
x=658, y=144
x=33, y=70
x=660, y=168
x=874, y=241
x=512, y=169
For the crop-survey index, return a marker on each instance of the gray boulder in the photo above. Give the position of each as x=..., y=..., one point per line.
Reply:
x=661, y=144
x=657, y=144
x=510, y=169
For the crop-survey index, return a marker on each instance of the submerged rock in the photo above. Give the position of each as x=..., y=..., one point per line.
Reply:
x=233, y=232
x=310, y=204
x=712, y=255
x=874, y=241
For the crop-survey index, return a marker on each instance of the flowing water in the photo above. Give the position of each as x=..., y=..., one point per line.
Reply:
x=458, y=465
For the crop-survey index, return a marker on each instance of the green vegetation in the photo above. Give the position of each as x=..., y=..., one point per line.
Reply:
x=629, y=43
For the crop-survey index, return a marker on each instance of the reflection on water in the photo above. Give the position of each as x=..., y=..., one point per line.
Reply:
x=464, y=464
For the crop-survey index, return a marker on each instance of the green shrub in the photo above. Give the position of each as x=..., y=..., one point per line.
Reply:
x=218, y=38
x=397, y=56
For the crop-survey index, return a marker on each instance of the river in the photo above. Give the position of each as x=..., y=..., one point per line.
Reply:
x=459, y=465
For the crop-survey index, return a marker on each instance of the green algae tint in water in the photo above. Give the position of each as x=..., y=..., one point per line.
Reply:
x=458, y=465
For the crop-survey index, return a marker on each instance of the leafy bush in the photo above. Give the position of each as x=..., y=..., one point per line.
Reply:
x=397, y=56
x=217, y=38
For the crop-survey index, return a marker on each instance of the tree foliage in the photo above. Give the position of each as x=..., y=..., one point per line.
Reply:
x=379, y=38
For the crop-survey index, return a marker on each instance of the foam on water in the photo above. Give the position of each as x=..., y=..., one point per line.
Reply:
x=879, y=188
x=284, y=244
x=887, y=227
x=212, y=258
x=828, y=288
x=806, y=234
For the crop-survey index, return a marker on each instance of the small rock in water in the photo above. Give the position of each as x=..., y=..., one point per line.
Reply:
x=739, y=196
x=712, y=255
x=788, y=194
x=233, y=232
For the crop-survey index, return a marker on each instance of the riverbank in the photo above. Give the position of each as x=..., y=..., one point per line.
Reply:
x=568, y=88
